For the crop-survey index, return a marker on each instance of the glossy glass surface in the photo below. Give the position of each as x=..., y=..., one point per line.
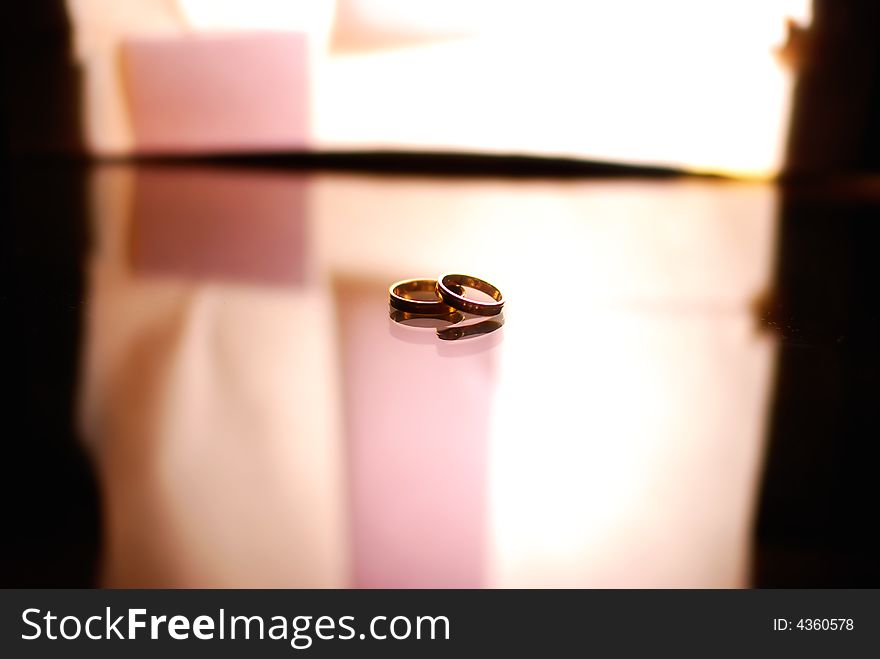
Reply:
x=254, y=417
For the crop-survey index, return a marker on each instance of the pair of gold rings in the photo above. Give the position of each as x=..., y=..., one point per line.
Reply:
x=446, y=296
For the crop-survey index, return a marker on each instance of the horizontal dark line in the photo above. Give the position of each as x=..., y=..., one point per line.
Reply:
x=421, y=163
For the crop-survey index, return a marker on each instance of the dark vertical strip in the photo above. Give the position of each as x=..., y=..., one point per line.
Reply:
x=818, y=507
x=51, y=532
x=41, y=86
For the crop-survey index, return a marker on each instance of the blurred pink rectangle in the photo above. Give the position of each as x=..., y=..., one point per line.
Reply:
x=243, y=92
x=417, y=440
x=222, y=225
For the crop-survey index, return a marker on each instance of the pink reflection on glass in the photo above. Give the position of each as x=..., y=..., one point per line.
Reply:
x=206, y=404
x=220, y=224
x=417, y=429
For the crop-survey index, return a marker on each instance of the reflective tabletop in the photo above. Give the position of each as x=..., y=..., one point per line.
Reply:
x=230, y=403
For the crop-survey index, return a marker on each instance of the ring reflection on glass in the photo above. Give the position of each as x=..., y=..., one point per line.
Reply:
x=419, y=328
x=407, y=318
x=458, y=331
x=401, y=297
x=451, y=292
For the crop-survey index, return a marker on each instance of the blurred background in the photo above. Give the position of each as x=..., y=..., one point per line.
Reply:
x=207, y=201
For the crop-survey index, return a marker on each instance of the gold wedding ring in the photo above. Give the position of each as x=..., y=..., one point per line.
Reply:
x=401, y=297
x=450, y=289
